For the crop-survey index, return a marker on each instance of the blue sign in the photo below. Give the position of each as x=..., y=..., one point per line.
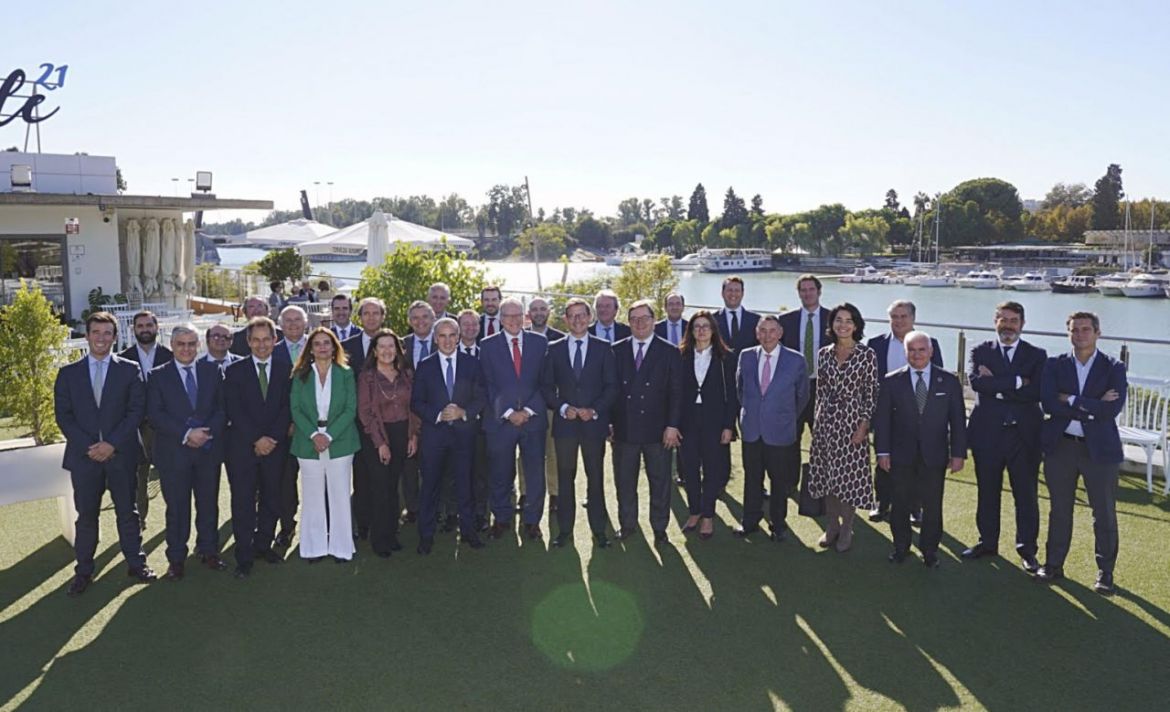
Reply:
x=51, y=78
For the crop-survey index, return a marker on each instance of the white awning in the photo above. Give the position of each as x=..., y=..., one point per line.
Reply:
x=288, y=234
x=352, y=241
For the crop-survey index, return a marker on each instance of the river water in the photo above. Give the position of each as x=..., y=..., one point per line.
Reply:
x=776, y=292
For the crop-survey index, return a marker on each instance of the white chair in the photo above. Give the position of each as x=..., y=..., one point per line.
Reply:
x=1143, y=423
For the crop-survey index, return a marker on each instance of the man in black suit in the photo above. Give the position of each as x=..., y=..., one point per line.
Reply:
x=489, y=304
x=538, y=313
x=480, y=487
x=99, y=400
x=256, y=403
x=1082, y=392
x=148, y=354
x=737, y=325
x=294, y=321
x=919, y=430
x=253, y=307
x=341, y=308
x=439, y=297
x=184, y=400
x=805, y=331
x=1004, y=432
x=371, y=315
x=674, y=325
x=420, y=344
x=468, y=332
x=645, y=419
x=891, y=355
x=579, y=383
x=607, y=327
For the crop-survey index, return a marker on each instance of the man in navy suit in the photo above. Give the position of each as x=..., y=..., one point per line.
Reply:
x=341, y=309
x=147, y=353
x=448, y=397
x=184, y=401
x=256, y=403
x=515, y=417
x=294, y=321
x=254, y=306
x=646, y=418
x=371, y=315
x=1004, y=432
x=439, y=297
x=891, y=355
x=579, y=384
x=607, y=327
x=805, y=331
x=418, y=345
x=1082, y=392
x=674, y=325
x=772, y=386
x=489, y=304
x=480, y=487
x=919, y=430
x=538, y=313
x=99, y=401
x=737, y=325
x=419, y=342
x=218, y=338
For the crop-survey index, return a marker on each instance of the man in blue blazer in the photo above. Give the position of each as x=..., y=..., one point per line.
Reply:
x=99, y=401
x=184, y=401
x=489, y=303
x=516, y=417
x=737, y=325
x=579, y=385
x=538, y=314
x=772, y=385
x=372, y=316
x=607, y=327
x=646, y=418
x=920, y=430
x=674, y=326
x=1082, y=392
x=1004, y=432
x=448, y=397
x=147, y=353
x=891, y=355
x=341, y=309
x=254, y=306
x=256, y=404
x=806, y=331
x=218, y=337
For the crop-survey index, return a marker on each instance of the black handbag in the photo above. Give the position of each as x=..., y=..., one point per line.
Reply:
x=808, y=506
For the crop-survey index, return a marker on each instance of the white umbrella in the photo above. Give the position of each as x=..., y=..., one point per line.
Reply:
x=379, y=239
x=166, y=267
x=189, y=256
x=134, y=256
x=150, y=250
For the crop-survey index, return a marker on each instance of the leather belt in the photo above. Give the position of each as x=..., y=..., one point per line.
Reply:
x=322, y=423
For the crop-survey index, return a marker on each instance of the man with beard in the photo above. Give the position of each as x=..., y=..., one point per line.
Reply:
x=147, y=354
x=489, y=304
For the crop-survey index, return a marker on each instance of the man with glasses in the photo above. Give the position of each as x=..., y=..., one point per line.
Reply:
x=219, y=338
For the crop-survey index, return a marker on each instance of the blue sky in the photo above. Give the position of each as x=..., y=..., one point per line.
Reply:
x=804, y=103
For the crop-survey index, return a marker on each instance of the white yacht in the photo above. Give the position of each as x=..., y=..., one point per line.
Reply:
x=979, y=279
x=1110, y=285
x=1029, y=282
x=937, y=279
x=865, y=274
x=688, y=262
x=1150, y=284
x=736, y=260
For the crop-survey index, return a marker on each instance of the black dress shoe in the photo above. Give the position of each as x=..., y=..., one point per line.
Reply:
x=877, y=514
x=363, y=533
x=395, y=545
x=532, y=531
x=916, y=519
x=284, y=540
x=78, y=585
x=601, y=540
x=473, y=541
x=175, y=571
x=1030, y=564
x=243, y=571
x=213, y=562
x=660, y=536
x=897, y=557
x=563, y=539
x=930, y=560
x=1104, y=584
x=269, y=556
x=745, y=532
x=315, y=559
x=1048, y=574
x=688, y=528
x=411, y=517
x=624, y=533
x=383, y=554
x=552, y=503
x=498, y=530
x=521, y=502
x=978, y=551
x=425, y=544
x=144, y=574
x=779, y=535
x=448, y=524
x=481, y=524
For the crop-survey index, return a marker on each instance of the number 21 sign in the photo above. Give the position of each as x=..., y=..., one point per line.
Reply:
x=51, y=78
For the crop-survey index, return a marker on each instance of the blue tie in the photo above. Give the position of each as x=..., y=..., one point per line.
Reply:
x=578, y=361
x=192, y=393
x=674, y=333
x=608, y=335
x=450, y=379
x=424, y=350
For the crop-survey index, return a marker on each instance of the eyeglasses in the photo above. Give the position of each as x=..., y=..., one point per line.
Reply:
x=224, y=337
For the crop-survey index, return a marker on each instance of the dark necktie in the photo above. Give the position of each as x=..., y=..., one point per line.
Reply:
x=263, y=379
x=638, y=357
x=192, y=391
x=734, y=327
x=516, y=355
x=810, y=347
x=491, y=320
x=608, y=334
x=673, y=333
x=1007, y=355
x=450, y=379
x=467, y=350
x=424, y=350
x=578, y=361
x=920, y=392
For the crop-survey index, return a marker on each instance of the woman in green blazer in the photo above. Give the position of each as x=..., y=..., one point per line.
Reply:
x=323, y=400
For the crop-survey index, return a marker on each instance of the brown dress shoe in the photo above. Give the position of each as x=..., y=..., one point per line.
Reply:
x=78, y=585
x=213, y=562
x=175, y=571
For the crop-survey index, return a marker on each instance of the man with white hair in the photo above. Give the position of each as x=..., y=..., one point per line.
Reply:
x=184, y=400
x=293, y=320
x=439, y=296
x=254, y=306
x=606, y=306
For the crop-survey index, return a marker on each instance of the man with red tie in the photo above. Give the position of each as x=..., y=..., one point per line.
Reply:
x=489, y=303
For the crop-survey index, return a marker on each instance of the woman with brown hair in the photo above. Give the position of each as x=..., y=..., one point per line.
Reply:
x=709, y=409
x=384, y=388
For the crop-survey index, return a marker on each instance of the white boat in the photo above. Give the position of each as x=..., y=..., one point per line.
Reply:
x=1029, y=282
x=979, y=279
x=866, y=274
x=687, y=262
x=735, y=260
x=1110, y=285
x=937, y=279
x=1148, y=285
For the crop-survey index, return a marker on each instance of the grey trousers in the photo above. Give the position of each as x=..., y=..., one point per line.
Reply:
x=1062, y=468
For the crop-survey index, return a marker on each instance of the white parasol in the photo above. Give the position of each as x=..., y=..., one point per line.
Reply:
x=378, y=241
x=134, y=256
x=150, y=255
x=166, y=267
x=189, y=256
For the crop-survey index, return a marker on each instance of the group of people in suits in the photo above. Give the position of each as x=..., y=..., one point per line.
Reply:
x=434, y=427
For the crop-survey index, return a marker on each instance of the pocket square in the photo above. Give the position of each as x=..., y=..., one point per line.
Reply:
x=936, y=395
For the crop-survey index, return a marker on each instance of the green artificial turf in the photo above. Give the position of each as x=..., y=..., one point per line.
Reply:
x=719, y=624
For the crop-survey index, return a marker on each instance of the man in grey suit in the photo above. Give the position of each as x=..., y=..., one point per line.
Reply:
x=773, y=387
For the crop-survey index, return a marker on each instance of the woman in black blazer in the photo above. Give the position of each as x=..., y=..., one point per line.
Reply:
x=709, y=409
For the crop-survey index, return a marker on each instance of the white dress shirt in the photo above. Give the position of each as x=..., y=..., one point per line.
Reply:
x=738, y=312
x=519, y=337
x=183, y=382
x=1074, y=426
x=772, y=364
x=572, y=352
x=324, y=393
x=443, y=360
x=416, y=354
x=702, y=363
x=146, y=359
x=895, y=354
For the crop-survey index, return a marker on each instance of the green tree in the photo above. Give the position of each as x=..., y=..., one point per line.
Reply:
x=866, y=234
x=1107, y=195
x=407, y=271
x=507, y=208
x=629, y=211
x=551, y=241
x=757, y=205
x=651, y=278
x=685, y=236
x=283, y=266
x=31, y=338
x=983, y=211
x=673, y=207
x=892, y=200
x=697, y=208
x=1072, y=195
x=734, y=210
x=591, y=232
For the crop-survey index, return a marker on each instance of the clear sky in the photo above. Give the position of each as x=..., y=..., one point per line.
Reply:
x=802, y=102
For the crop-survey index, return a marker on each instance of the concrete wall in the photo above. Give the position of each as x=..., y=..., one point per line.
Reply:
x=62, y=173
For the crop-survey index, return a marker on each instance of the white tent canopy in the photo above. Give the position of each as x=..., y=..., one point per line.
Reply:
x=352, y=241
x=287, y=234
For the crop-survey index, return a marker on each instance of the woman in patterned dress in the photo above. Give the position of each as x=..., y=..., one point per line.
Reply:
x=847, y=389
